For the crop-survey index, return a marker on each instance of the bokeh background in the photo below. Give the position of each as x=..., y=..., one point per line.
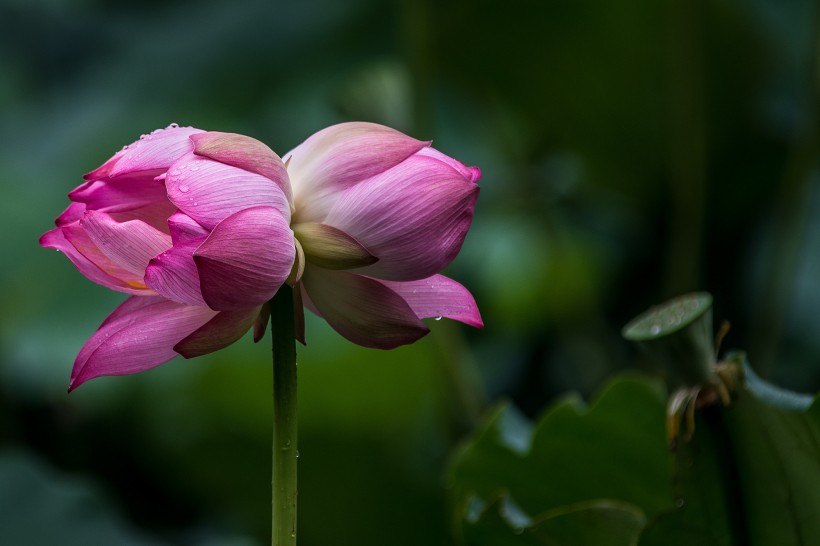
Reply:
x=631, y=151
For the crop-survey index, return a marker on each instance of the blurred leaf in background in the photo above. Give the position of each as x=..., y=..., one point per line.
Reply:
x=604, y=475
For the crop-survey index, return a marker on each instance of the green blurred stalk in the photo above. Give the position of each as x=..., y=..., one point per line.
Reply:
x=283, y=483
x=687, y=146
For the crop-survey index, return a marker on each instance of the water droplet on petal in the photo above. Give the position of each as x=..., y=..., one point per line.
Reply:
x=173, y=126
x=184, y=189
x=437, y=318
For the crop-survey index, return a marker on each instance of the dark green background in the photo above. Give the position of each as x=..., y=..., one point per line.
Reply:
x=631, y=151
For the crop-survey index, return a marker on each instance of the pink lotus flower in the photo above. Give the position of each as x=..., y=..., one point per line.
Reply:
x=202, y=228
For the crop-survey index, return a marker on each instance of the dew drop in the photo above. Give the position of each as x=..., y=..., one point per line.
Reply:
x=184, y=189
x=655, y=330
x=437, y=318
x=173, y=126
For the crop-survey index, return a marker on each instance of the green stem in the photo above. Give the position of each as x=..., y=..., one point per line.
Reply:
x=283, y=485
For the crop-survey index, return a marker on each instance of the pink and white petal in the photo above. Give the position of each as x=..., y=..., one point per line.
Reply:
x=438, y=296
x=361, y=309
x=245, y=153
x=130, y=245
x=153, y=151
x=126, y=193
x=245, y=259
x=339, y=157
x=184, y=228
x=138, y=340
x=173, y=274
x=72, y=241
x=473, y=174
x=219, y=332
x=209, y=191
x=413, y=217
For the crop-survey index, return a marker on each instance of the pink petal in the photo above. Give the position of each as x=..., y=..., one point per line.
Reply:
x=307, y=302
x=209, y=191
x=155, y=151
x=72, y=213
x=339, y=157
x=137, y=340
x=473, y=174
x=219, y=332
x=173, y=273
x=361, y=309
x=246, y=258
x=130, y=245
x=245, y=153
x=129, y=306
x=438, y=296
x=77, y=245
x=155, y=215
x=184, y=228
x=413, y=217
x=128, y=192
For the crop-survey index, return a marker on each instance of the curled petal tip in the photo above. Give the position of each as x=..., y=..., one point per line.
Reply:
x=438, y=296
x=245, y=153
